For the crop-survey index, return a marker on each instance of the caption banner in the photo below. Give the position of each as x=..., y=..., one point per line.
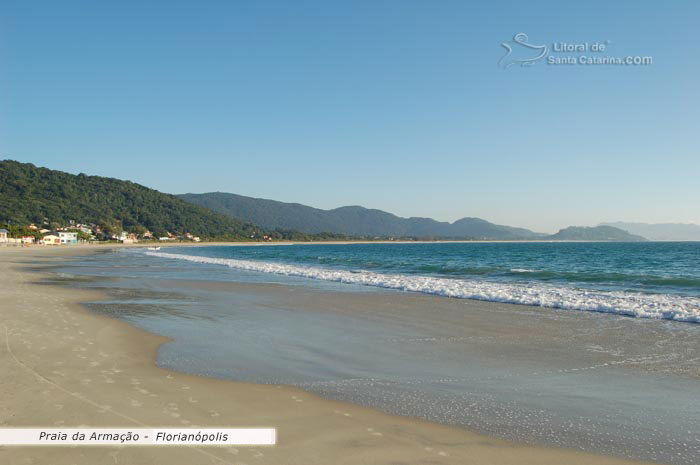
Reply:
x=138, y=436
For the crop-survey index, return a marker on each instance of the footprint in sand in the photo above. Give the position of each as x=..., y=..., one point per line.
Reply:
x=135, y=403
x=192, y=400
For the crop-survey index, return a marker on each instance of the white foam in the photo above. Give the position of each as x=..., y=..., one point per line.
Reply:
x=659, y=306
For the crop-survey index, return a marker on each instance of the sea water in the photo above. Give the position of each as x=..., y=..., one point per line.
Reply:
x=647, y=280
x=602, y=355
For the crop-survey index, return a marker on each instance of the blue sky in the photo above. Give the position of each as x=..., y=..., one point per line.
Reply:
x=394, y=105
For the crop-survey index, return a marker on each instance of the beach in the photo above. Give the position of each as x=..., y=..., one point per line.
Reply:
x=63, y=366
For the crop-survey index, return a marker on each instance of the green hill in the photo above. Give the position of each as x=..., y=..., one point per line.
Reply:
x=598, y=233
x=352, y=220
x=29, y=194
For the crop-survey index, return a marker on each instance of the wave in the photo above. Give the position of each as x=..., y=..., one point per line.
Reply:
x=657, y=306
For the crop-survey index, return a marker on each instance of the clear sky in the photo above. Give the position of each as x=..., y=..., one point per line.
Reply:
x=396, y=105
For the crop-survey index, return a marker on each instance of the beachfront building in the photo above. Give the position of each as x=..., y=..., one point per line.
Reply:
x=28, y=240
x=126, y=238
x=68, y=237
x=191, y=237
x=3, y=236
x=51, y=240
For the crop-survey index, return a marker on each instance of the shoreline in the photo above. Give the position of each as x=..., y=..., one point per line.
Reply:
x=114, y=379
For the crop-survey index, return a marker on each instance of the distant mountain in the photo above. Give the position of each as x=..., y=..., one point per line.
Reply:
x=29, y=194
x=353, y=220
x=597, y=233
x=661, y=231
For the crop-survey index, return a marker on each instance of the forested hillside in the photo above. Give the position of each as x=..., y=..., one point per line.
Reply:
x=29, y=194
x=352, y=220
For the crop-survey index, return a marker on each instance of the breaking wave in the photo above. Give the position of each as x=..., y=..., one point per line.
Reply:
x=635, y=304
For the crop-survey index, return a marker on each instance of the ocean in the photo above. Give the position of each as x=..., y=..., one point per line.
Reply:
x=601, y=353
x=648, y=280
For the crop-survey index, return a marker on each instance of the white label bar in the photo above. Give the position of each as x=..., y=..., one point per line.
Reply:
x=138, y=436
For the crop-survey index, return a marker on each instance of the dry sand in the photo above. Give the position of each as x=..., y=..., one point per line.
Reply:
x=62, y=366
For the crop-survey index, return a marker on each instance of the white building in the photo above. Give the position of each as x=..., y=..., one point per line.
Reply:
x=3, y=236
x=68, y=237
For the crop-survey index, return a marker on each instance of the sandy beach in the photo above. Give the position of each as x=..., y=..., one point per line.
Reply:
x=62, y=366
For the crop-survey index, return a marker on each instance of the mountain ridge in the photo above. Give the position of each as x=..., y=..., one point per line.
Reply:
x=660, y=231
x=352, y=220
x=31, y=194
x=595, y=233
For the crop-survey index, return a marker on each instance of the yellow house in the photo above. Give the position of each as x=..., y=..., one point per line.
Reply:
x=51, y=240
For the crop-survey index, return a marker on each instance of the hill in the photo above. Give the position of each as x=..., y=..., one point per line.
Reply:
x=29, y=194
x=661, y=231
x=351, y=220
x=597, y=233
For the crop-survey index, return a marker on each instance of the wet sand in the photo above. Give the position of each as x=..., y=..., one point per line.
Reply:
x=61, y=365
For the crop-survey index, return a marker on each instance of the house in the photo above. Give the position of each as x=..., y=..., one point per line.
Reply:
x=126, y=238
x=51, y=240
x=3, y=236
x=68, y=237
x=27, y=240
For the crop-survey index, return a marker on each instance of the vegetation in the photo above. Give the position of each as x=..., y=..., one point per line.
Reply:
x=38, y=195
x=52, y=199
x=350, y=221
